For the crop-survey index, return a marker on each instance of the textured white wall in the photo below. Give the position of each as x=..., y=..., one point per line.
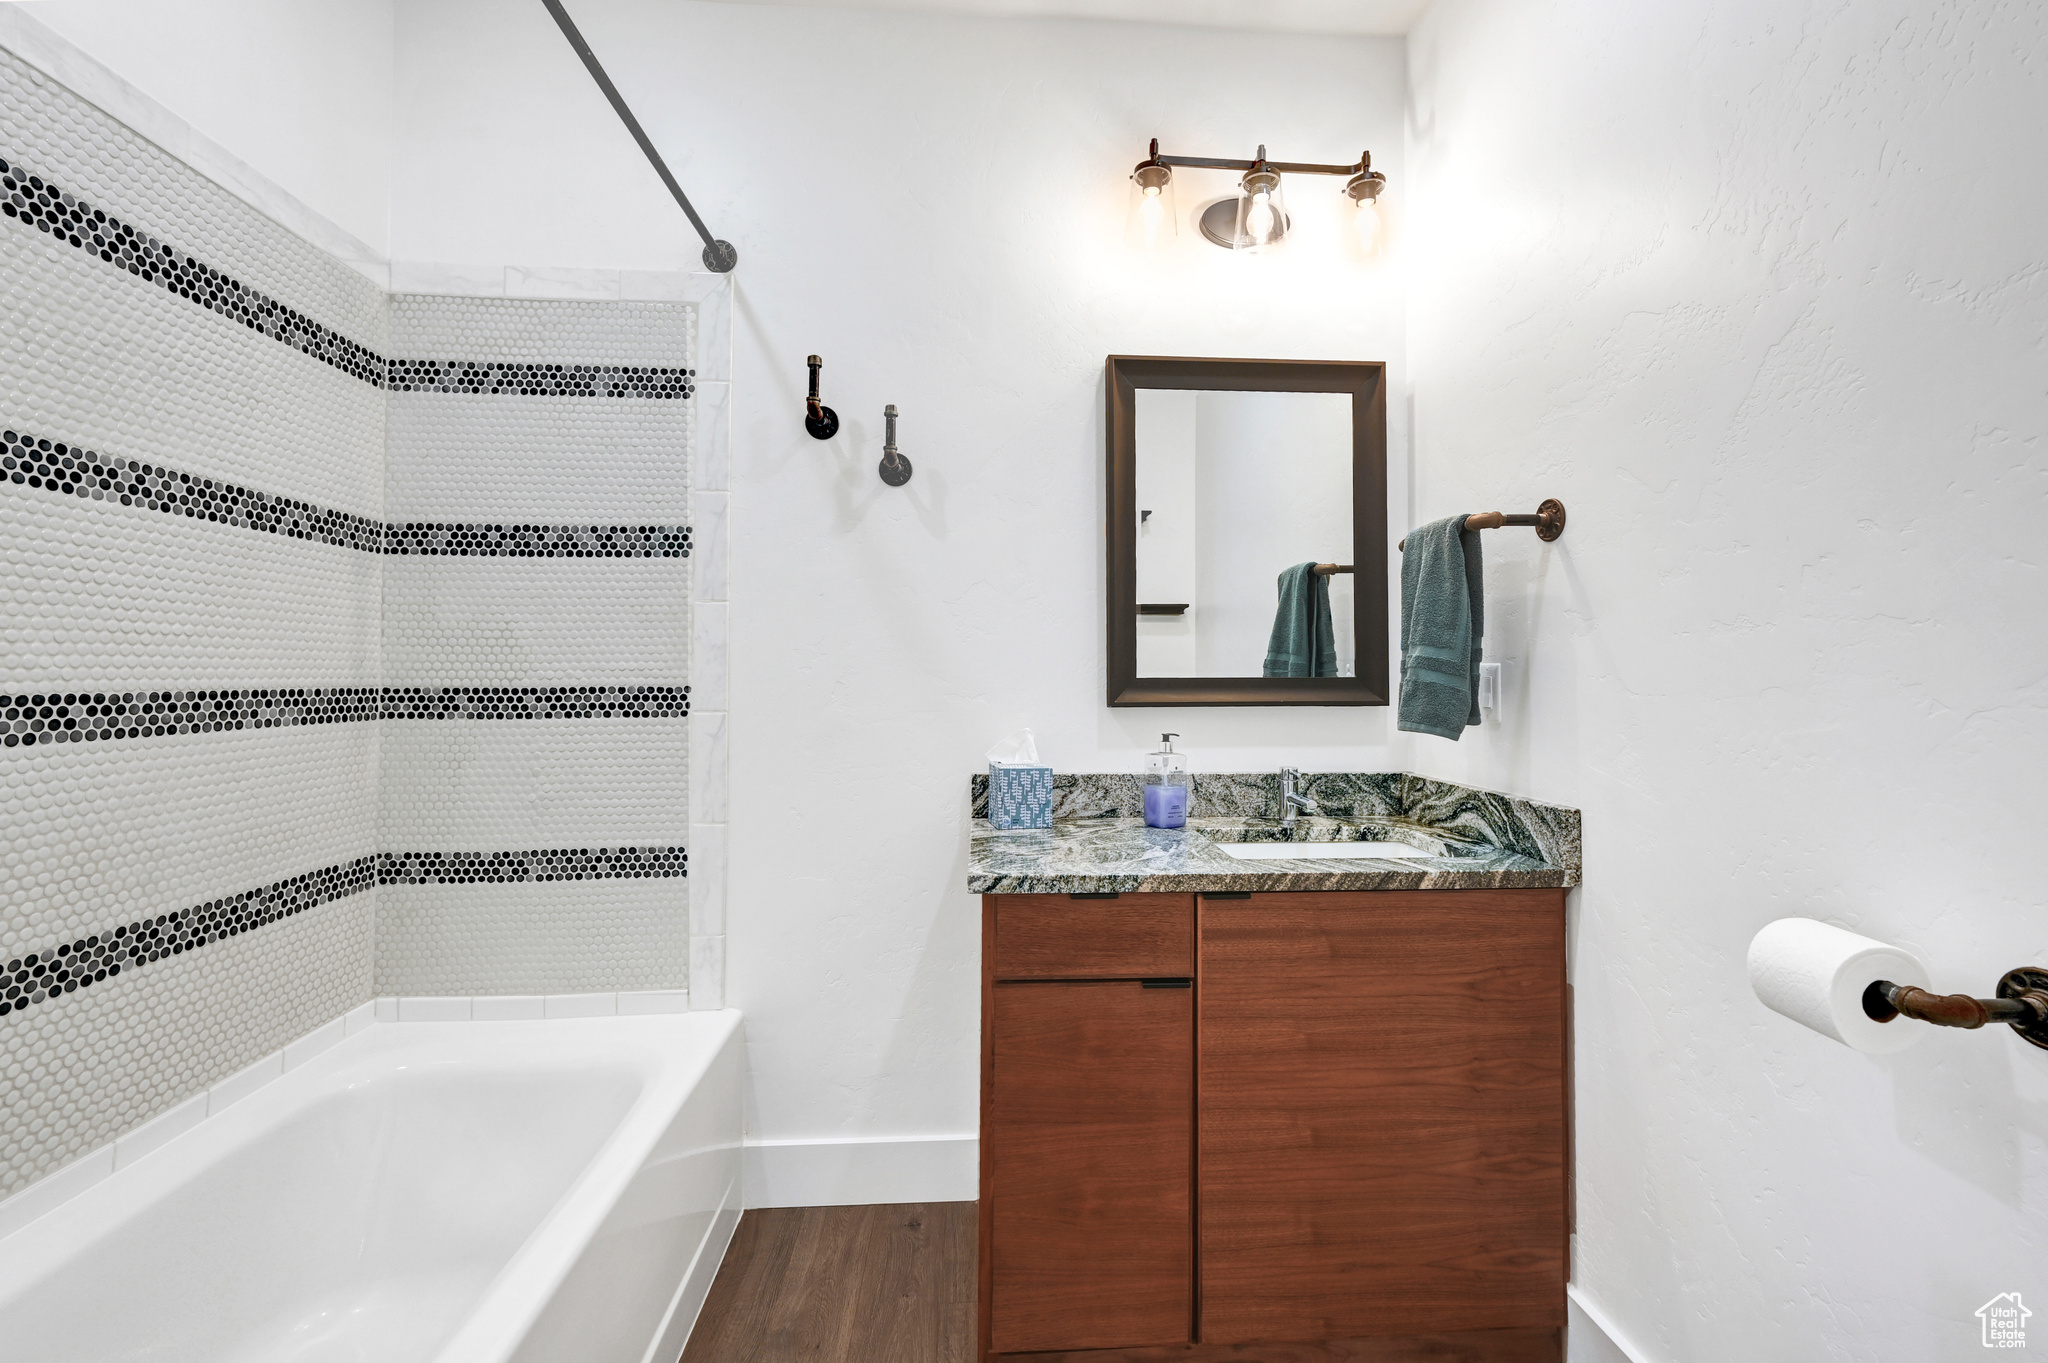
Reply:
x=300, y=89
x=1756, y=289
x=935, y=205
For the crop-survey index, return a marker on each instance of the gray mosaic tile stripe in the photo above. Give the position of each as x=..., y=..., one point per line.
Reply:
x=562, y=863
x=539, y=541
x=540, y=380
x=536, y=702
x=63, y=216
x=37, y=462
x=68, y=967
x=34, y=202
x=28, y=719
x=71, y=966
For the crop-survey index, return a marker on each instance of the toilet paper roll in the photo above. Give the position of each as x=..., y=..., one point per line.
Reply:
x=1815, y=973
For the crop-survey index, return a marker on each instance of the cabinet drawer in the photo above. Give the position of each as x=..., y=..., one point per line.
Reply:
x=1058, y=937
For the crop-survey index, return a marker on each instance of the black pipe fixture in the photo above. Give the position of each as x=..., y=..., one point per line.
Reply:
x=719, y=256
x=821, y=421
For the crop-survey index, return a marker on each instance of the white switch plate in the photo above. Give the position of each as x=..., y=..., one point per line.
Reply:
x=1489, y=686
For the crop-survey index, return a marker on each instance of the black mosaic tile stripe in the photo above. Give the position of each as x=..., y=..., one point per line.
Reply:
x=540, y=380
x=539, y=541
x=71, y=966
x=52, y=465
x=67, y=469
x=30, y=718
x=64, y=216
x=562, y=863
x=536, y=702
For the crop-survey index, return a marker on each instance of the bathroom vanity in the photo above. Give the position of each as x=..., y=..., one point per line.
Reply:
x=1313, y=1103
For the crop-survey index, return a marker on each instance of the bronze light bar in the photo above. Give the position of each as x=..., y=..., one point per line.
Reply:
x=1259, y=217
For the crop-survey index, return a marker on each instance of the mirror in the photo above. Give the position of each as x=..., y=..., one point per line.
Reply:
x=1247, y=532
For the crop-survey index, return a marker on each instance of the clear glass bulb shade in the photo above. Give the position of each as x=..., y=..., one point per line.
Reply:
x=1365, y=226
x=1151, y=220
x=1261, y=213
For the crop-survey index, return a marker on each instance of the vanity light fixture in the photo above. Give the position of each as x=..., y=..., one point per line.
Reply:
x=1257, y=218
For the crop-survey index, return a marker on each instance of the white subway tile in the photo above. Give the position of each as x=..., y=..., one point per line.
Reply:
x=433, y=276
x=707, y=879
x=707, y=766
x=507, y=1007
x=55, y=1190
x=358, y=1018
x=707, y=972
x=708, y=547
x=543, y=281
x=656, y=286
x=152, y=1134
x=639, y=1003
x=298, y=1052
x=714, y=327
x=713, y=453
x=433, y=1010
x=387, y=1009
x=707, y=656
x=582, y=1005
x=236, y=1087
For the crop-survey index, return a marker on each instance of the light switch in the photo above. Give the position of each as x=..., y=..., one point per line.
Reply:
x=1489, y=686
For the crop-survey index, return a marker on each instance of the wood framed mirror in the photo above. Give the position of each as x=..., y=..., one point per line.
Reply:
x=1223, y=476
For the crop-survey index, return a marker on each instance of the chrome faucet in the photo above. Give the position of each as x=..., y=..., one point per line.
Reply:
x=1292, y=802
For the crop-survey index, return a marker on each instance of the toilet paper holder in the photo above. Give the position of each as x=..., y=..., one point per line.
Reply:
x=2022, y=1003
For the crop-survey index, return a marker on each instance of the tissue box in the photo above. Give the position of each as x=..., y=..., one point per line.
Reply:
x=1019, y=795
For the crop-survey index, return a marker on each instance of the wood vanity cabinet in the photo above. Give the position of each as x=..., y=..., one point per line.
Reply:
x=1333, y=1125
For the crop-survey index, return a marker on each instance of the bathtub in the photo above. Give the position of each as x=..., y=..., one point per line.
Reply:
x=422, y=1192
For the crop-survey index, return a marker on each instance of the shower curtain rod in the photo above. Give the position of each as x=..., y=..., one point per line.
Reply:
x=719, y=256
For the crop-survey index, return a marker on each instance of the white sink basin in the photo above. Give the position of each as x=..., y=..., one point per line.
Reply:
x=1321, y=851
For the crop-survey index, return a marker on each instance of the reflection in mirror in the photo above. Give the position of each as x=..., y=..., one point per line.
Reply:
x=1233, y=489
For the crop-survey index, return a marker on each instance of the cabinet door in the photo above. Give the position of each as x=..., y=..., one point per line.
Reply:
x=1089, y=1142
x=1382, y=1114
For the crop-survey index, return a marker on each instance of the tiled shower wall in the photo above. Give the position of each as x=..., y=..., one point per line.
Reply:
x=190, y=539
x=344, y=638
x=539, y=816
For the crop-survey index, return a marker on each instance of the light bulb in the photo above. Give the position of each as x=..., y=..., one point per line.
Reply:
x=1258, y=219
x=1151, y=215
x=1367, y=224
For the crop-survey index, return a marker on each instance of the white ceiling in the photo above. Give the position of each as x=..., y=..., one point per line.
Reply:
x=1289, y=16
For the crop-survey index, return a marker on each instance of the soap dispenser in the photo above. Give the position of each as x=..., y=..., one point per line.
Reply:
x=1166, y=786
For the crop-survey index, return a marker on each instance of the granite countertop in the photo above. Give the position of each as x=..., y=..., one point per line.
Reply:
x=1464, y=838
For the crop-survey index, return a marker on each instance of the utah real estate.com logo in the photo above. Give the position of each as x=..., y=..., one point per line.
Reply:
x=2005, y=1321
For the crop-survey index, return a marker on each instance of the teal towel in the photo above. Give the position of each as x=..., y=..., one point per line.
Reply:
x=1302, y=644
x=1443, y=611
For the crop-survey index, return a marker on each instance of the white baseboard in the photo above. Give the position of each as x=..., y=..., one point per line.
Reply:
x=1591, y=1334
x=861, y=1170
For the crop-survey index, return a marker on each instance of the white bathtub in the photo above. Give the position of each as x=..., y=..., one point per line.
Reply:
x=460, y=1192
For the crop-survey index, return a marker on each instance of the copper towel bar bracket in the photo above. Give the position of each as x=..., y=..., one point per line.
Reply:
x=1548, y=522
x=2022, y=1002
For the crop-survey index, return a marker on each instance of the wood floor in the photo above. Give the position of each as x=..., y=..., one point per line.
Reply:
x=888, y=1284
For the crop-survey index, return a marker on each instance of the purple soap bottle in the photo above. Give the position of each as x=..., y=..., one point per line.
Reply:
x=1166, y=786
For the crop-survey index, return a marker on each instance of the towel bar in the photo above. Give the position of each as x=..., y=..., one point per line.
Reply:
x=1548, y=522
x=2022, y=1002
